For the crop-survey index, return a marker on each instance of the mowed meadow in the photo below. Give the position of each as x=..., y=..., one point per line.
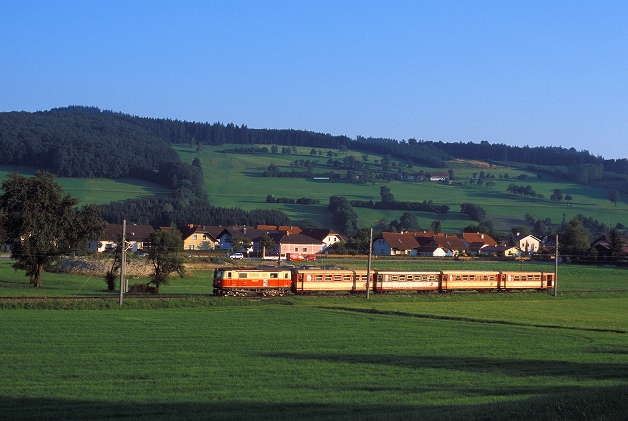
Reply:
x=457, y=356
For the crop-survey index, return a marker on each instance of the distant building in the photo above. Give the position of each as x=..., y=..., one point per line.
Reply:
x=136, y=238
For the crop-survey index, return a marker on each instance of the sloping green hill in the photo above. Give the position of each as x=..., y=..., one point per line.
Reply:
x=236, y=180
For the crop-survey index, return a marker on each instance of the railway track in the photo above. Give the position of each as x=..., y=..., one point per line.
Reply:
x=174, y=297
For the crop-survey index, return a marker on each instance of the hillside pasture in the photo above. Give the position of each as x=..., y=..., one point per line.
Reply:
x=234, y=180
x=96, y=190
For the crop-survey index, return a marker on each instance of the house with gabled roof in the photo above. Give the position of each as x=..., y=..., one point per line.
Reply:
x=249, y=233
x=294, y=243
x=393, y=243
x=274, y=228
x=601, y=246
x=527, y=243
x=475, y=241
x=501, y=251
x=438, y=176
x=136, y=238
x=325, y=235
x=199, y=237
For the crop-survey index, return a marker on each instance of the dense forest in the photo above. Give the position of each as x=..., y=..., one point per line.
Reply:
x=80, y=144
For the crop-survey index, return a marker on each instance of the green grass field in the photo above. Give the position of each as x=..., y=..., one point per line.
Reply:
x=311, y=360
x=234, y=180
x=96, y=190
x=461, y=356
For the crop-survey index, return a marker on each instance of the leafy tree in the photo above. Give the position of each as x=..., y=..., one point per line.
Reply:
x=568, y=198
x=164, y=253
x=557, y=196
x=616, y=243
x=435, y=226
x=343, y=215
x=613, y=196
x=386, y=162
x=407, y=222
x=473, y=211
x=45, y=222
x=266, y=243
x=386, y=194
x=239, y=243
x=574, y=237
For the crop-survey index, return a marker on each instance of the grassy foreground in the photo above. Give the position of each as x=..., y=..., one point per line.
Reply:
x=461, y=356
x=303, y=358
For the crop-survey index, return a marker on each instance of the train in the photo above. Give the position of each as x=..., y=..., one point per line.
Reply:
x=278, y=281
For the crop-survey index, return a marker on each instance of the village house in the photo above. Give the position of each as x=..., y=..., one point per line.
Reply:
x=527, y=243
x=501, y=251
x=327, y=236
x=199, y=237
x=294, y=243
x=136, y=238
x=438, y=176
x=601, y=247
x=475, y=241
x=392, y=244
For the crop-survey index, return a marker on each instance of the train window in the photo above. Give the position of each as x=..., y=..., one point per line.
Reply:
x=229, y=275
x=243, y=275
x=319, y=278
x=472, y=277
x=516, y=278
x=465, y=277
x=393, y=278
x=537, y=277
x=337, y=277
x=524, y=278
x=491, y=277
x=402, y=277
x=431, y=278
x=274, y=275
x=410, y=277
x=285, y=275
x=458, y=277
x=328, y=277
x=347, y=278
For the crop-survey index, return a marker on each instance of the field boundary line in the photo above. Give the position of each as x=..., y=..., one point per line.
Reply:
x=471, y=320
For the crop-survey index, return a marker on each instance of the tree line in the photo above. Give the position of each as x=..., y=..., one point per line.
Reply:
x=88, y=142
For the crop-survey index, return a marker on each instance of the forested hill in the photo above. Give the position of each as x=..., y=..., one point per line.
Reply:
x=81, y=144
x=89, y=142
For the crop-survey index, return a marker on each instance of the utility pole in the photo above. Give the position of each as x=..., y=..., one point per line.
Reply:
x=122, y=262
x=368, y=267
x=556, y=268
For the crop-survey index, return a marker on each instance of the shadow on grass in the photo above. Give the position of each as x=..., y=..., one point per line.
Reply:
x=608, y=403
x=476, y=320
x=506, y=366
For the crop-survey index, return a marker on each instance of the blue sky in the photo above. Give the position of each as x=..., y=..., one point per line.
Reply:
x=515, y=72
